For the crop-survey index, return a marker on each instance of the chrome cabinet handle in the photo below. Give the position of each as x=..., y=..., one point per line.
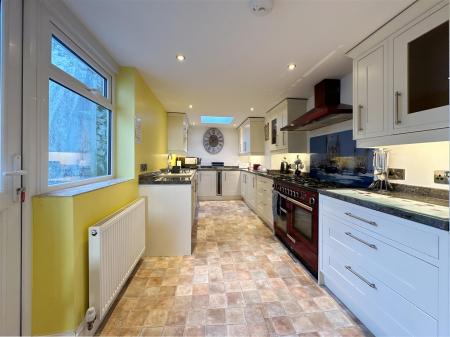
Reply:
x=373, y=223
x=362, y=278
x=371, y=245
x=291, y=238
x=360, y=107
x=397, y=115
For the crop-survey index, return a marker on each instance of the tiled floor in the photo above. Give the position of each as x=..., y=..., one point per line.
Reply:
x=240, y=281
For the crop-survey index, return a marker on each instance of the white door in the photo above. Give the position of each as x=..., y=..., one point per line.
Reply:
x=10, y=161
x=369, y=115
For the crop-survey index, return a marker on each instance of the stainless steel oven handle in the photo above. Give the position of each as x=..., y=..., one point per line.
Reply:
x=371, y=245
x=295, y=202
x=291, y=238
x=373, y=223
x=362, y=278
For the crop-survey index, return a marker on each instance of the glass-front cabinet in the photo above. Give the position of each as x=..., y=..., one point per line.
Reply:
x=421, y=71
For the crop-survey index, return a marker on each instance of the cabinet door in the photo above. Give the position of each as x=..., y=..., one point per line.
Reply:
x=231, y=185
x=243, y=188
x=282, y=142
x=251, y=189
x=369, y=113
x=421, y=69
x=207, y=184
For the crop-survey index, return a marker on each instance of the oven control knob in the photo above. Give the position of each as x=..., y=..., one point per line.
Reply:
x=312, y=201
x=296, y=194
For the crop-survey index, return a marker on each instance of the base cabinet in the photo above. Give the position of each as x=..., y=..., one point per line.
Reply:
x=257, y=194
x=207, y=184
x=392, y=273
x=219, y=185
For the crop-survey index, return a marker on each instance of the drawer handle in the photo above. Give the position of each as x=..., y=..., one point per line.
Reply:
x=290, y=238
x=371, y=245
x=373, y=223
x=372, y=285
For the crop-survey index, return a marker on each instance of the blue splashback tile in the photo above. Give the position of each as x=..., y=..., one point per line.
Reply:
x=335, y=158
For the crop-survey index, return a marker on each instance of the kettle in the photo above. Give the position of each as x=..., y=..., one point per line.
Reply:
x=284, y=167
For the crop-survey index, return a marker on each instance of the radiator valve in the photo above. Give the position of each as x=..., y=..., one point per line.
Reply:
x=90, y=317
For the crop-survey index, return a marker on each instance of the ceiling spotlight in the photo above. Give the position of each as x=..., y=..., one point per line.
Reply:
x=292, y=66
x=181, y=58
x=252, y=109
x=190, y=106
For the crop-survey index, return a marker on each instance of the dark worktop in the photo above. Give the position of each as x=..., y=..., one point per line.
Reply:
x=428, y=209
x=154, y=178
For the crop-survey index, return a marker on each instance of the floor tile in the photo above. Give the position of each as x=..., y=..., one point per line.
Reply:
x=239, y=281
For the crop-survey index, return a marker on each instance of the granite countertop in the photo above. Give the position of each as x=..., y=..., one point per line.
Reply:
x=156, y=178
x=218, y=168
x=427, y=210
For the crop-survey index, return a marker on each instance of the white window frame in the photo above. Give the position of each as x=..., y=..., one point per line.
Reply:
x=52, y=72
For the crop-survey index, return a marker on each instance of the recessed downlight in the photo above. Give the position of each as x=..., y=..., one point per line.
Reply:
x=181, y=58
x=252, y=109
x=292, y=66
x=190, y=106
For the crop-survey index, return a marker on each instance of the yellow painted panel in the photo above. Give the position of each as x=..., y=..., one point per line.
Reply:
x=153, y=149
x=124, y=121
x=53, y=261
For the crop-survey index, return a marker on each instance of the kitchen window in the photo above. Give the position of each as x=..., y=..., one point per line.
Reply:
x=79, y=133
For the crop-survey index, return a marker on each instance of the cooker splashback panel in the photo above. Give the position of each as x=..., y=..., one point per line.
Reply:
x=335, y=158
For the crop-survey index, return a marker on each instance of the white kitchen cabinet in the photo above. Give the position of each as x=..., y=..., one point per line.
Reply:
x=251, y=136
x=231, y=183
x=370, y=117
x=207, y=187
x=244, y=185
x=392, y=273
x=280, y=116
x=248, y=189
x=400, y=79
x=264, y=200
x=418, y=66
x=251, y=191
x=177, y=133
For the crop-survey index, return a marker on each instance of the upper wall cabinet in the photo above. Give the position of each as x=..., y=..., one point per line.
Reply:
x=280, y=116
x=177, y=132
x=251, y=136
x=400, y=79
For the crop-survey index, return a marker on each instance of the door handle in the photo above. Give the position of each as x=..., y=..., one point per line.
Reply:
x=371, y=245
x=360, y=107
x=14, y=173
x=397, y=114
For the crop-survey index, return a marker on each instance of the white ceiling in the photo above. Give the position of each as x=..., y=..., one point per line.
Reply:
x=234, y=60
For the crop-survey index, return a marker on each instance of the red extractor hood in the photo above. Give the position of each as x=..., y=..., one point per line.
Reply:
x=328, y=108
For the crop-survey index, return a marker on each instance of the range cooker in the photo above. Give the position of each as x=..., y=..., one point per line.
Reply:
x=296, y=222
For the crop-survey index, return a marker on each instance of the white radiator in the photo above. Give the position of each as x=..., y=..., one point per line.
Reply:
x=115, y=246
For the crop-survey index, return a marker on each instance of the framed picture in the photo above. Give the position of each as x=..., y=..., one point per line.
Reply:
x=266, y=132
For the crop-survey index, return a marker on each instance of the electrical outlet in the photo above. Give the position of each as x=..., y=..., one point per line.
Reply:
x=396, y=174
x=441, y=177
x=143, y=167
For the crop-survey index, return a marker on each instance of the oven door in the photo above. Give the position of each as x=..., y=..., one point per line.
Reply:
x=303, y=229
x=281, y=217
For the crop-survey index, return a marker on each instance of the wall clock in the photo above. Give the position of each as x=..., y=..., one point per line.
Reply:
x=213, y=140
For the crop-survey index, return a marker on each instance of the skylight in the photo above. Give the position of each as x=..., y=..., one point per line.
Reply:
x=216, y=120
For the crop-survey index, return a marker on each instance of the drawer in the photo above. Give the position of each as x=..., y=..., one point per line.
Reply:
x=414, y=279
x=391, y=227
x=381, y=309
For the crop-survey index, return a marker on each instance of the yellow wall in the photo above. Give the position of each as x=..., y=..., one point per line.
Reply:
x=60, y=224
x=153, y=149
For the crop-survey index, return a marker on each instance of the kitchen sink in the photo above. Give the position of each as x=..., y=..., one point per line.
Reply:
x=175, y=175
